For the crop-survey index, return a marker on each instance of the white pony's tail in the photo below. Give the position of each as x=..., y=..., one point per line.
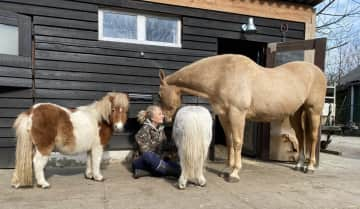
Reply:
x=192, y=133
x=23, y=173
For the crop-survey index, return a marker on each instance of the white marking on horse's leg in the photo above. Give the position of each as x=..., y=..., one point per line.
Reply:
x=229, y=143
x=89, y=169
x=182, y=181
x=39, y=165
x=315, y=123
x=96, y=153
x=119, y=126
x=234, y=175
x=237, y=121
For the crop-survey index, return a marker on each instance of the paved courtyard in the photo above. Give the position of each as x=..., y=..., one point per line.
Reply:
x=336, y=184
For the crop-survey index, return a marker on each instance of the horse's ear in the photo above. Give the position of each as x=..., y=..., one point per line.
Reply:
x=162, y=77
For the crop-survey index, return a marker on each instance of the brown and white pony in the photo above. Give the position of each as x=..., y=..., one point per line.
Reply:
x=46, y=126
x=239, y=89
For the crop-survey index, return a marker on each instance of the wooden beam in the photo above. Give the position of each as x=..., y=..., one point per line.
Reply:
x=260, y=8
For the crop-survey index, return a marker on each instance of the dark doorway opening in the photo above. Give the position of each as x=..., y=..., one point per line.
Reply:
x=255, y=51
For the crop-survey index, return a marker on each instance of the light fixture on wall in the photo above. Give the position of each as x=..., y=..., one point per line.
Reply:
x=249, y=27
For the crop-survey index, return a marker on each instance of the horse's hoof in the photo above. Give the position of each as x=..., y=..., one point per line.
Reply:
x=182, y=186
x=232, y=179
x=309, y=170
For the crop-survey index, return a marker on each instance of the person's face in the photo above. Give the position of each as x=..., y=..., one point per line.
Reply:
x=157, y=116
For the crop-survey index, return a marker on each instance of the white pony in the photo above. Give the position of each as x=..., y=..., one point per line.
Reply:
x=192, y=133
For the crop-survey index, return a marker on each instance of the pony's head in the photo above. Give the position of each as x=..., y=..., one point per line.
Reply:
x=170, y=97
x=114, y=108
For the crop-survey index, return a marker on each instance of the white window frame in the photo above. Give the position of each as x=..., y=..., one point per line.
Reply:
x=141, y=29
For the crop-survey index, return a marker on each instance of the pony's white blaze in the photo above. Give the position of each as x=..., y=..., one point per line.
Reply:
x=192, y=133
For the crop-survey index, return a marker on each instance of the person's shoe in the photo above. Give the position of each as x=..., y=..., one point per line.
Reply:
x=140, y=173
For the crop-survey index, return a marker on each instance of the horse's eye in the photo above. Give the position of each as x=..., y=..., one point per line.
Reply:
x=113, y=109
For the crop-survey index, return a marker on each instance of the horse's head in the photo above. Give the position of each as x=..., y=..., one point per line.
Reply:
x=119, y=104
x=170, y=98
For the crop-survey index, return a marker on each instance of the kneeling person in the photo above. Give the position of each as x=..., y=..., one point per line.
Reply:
x=152, y=144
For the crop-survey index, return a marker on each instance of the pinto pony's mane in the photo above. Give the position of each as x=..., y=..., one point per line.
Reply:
x=102, y=108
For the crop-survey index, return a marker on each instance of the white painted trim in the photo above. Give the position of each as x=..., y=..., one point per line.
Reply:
x=100, y=24
x=141, y=30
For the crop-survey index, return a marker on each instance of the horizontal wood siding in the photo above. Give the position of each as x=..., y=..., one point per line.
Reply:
x=13, y=101
x=72, y=67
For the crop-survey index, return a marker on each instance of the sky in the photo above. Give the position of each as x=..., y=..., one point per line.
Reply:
x=350, y=24
x=345, y=31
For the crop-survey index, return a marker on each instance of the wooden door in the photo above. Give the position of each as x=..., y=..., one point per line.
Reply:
x=272, y=147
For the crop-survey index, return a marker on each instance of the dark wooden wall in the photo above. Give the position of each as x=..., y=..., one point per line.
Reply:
x=72, y=68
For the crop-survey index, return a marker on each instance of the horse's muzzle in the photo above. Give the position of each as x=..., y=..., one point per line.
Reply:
x=119, y=126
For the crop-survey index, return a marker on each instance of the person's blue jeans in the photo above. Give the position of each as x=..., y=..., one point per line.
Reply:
x=152, y=162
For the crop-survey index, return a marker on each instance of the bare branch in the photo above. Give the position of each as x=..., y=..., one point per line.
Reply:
x=337, y=46
x=325, y=7
x=333, y=22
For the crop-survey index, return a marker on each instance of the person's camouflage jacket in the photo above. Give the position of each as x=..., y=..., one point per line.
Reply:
x=150, y=138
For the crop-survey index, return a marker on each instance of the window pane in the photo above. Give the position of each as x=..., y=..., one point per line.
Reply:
x=162, y=30
x=117, y=25
x=9, y=40
x=288, y=56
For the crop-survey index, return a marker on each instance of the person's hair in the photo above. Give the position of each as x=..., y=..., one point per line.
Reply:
x=146, y=114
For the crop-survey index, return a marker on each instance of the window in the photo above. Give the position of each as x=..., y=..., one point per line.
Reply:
x=139, y=28
x=9, y=39
x=15, y=50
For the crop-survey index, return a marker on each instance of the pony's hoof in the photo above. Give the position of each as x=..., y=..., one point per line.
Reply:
x=89, y=176
x=44, y=185
x=16, y=186
x=202, y=182
x=99, y=178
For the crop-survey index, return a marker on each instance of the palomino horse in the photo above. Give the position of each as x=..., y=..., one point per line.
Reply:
x=48, y=126
x=239, y=89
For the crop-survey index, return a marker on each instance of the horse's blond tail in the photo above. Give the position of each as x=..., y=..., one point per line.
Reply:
x=192, y=134
x=23, y=174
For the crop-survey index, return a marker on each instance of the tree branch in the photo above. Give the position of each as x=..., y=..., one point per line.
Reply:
x=325, y=7
x=340, y=45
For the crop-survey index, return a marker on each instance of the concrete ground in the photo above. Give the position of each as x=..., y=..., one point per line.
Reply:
x=336, y=184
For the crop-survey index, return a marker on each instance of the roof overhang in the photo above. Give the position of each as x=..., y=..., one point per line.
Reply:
x=307, y=2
